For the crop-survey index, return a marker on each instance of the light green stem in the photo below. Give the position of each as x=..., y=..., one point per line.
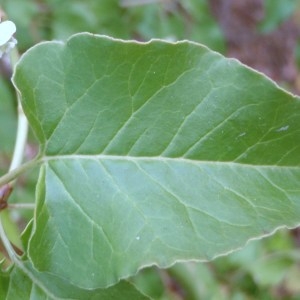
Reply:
x=16, y=167
x=6, y=243
x=22, y=130
x=21, y=139
x=12, y=175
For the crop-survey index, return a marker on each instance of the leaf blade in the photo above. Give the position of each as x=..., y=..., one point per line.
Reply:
x=206, y=149
x=144, y=213
x=27, y=282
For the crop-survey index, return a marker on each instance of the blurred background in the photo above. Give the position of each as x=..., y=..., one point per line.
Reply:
x=264, y=34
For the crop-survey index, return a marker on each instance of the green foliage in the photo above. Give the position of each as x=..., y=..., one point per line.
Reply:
x=27, y=283
x=277, y=12
x=54, y=19
x=140, y=176
x=150, y=154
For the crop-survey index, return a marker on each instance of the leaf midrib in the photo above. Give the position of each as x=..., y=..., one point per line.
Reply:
x=163, y=159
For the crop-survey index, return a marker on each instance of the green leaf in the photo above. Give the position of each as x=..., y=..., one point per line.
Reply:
x=153, y=153
x=27, y=283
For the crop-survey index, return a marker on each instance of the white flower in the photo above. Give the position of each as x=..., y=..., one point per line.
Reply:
x=7, y=41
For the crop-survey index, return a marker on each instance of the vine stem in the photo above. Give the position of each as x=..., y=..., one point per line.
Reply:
x=21, y=138
x=22, y=129
x=6, y=243
x=16, y=166
x=12, y=175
